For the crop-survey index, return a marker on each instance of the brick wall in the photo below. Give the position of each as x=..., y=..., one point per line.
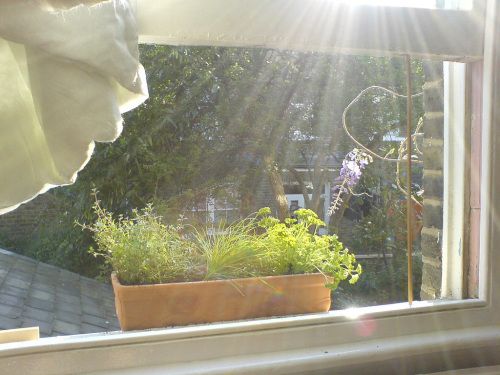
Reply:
x=433, y=181
x=17, y=226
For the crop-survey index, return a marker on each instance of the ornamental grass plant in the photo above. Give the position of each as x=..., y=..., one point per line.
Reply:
x=143, y=250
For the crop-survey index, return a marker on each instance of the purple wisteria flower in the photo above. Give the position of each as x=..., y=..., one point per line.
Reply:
x=350, y=174
x=352, y=165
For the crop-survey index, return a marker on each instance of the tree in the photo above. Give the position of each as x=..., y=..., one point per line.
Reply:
x=234, y=116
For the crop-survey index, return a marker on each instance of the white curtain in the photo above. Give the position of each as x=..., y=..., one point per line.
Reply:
x=66, y=76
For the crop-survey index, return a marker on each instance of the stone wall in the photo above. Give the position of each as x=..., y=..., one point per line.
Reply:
x=433, y=181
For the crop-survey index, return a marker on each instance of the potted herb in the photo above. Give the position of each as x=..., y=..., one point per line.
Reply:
x=175, y=275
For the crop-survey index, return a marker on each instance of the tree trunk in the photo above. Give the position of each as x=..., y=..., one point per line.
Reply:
x=248, y=187
x=277, y=187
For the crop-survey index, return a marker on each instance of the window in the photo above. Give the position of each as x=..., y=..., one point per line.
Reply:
x=343, y=339
x=421, y=41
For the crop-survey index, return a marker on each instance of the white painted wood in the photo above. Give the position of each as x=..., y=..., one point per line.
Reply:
x=297, y=197
x=265, y=352
x=19, y=334
x=382, y=354
x=483, y=370
x=313, y=25
x=489, y=256
x=211, y=209
x=327, y=202
x=454, y=183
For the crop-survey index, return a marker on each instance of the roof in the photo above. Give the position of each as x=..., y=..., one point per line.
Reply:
x=60, y=302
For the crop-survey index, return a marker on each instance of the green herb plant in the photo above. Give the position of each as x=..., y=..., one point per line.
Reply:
x=231, y=251
x=294, y=247
x=143, y=250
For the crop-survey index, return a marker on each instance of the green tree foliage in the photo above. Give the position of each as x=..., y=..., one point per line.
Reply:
x=384, y=279
x=219, y=116
x=239, y=115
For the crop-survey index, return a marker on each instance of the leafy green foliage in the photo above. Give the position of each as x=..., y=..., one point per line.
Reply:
x=382, y=232
x=61, y=243
x=215, y=114
x=57, y=240
x=294, y=247
x=142, y=250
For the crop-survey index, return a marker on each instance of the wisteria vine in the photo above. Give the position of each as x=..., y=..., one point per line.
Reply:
x=352, y=169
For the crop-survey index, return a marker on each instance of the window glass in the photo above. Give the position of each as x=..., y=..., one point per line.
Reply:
x=228, y=131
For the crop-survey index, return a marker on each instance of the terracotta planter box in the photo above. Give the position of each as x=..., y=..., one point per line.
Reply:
x=175, y=304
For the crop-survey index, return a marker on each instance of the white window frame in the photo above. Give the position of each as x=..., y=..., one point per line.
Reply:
x=314, y=25
x=426, y=335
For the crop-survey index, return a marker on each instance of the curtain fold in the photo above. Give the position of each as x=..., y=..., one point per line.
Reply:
x=66, y=76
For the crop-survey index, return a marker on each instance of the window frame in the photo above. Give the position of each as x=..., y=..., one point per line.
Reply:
x=321, y=25
x=320, y=342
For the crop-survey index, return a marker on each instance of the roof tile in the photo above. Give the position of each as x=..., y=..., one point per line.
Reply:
x=32, y=313
x=40, y=304
x=96, y=321
x=67, y=328
x=67, y=316
x=12, y=312
x=43, y=295
x=11, y=300
x=13, y=291
x=58, y=301
x=67, y=298
x=9, y=323
x=16, y=282
x=74, y=308
x=89, y=328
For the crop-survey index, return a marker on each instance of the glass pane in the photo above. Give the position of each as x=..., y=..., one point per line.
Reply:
x=229, y=131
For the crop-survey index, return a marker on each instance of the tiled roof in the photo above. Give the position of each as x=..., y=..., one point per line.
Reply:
x=58, y=301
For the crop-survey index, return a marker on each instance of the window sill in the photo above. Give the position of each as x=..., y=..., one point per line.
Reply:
x=418, y=353
x=203, y=330
x=337, y=338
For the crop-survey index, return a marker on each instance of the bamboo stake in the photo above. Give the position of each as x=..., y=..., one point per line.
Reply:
x=409, y=210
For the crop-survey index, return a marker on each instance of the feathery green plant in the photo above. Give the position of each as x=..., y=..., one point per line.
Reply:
x=143, y=250
x=230, y=251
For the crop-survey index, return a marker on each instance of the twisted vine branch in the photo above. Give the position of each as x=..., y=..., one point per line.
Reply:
x=402, y=151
